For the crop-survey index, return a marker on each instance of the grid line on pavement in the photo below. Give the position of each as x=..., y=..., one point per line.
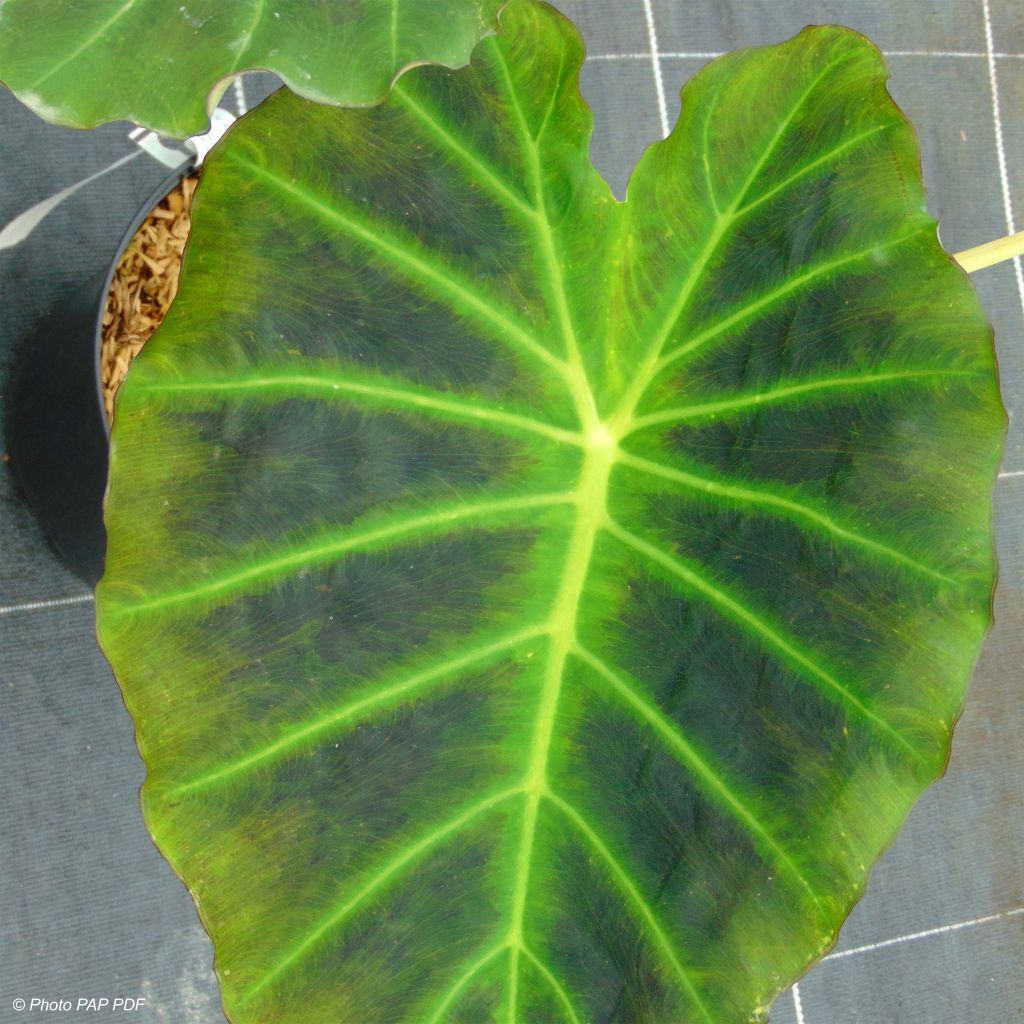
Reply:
x=711, y=54
x=798, y=1005
x=53, y=602
x=1004, y=177
x=655, y=58
x=944, y=929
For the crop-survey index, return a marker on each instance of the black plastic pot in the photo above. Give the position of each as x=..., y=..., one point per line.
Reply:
x=55, y=424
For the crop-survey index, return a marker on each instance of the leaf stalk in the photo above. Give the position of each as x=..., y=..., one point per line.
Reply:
x=988, y=255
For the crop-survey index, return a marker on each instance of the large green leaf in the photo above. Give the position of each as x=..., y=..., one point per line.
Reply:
x=536, y=607
x=83, y=62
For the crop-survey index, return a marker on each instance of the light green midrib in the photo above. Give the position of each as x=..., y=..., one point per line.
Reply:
x=591, y=508
x=452, y=993
x=591, y=512
x=658, y=937
x=590, y=499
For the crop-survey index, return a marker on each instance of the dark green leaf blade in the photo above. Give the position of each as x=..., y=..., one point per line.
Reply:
x=154, y=62
x=548, y=608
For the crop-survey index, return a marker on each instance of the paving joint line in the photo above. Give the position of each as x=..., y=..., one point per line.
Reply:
x=55, y=602
x=655, y=58
x=927, y=933
x=1004, y=177
x=713, y=54
x=798, y=1005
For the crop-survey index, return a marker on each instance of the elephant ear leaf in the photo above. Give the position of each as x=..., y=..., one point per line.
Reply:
x=154, y=62
x=536, y=607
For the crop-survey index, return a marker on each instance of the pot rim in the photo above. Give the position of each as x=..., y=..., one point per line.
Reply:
x=165, y=186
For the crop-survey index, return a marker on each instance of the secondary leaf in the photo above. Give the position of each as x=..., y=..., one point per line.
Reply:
x=536, y=607
x=154, y=61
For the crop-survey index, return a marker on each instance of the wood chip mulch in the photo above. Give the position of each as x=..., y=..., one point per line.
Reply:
x=144, y=286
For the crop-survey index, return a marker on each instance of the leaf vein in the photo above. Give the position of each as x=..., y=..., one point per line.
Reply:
x=698, y=269
x=629, y=888
x=499, y=188
x=773, y=298
x=388, y=873
x=440, y=282
x=706, y=154
x=463, y=980
x=710, y=779
x=556, y=986
x=783, y=392
x=734, y=609
x=813, y=165
x=558, y=297
x=379, y=696
x=327, y=548
x=385, y=394
x=246, y=38
x=787, y=506
x=83, y=46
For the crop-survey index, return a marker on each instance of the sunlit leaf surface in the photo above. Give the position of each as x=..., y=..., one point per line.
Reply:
x=83, y=62
x=538, y=608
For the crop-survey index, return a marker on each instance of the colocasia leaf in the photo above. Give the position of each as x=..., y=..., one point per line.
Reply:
x=83, y=62
x=538, y=608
